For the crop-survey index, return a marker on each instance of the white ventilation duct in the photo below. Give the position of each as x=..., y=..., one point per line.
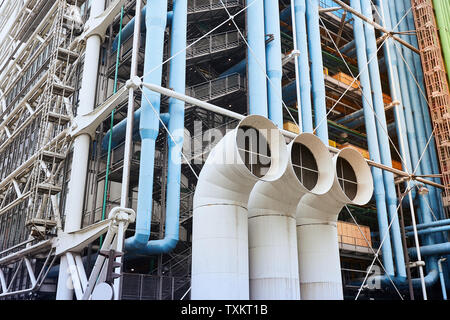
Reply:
x=317, y=238
x=220, y=217
x=272, y=219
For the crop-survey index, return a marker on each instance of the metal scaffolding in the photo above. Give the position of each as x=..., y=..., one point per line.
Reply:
x=39, y=88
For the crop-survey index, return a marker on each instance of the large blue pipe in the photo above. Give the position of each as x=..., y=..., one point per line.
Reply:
x=256, y=55
x=430, y=225
x=390, y=13
x=155, y=21
x=429, y=230
x=372, y=140
x=425, y=164
x=383, y=138
x=128, y=30
x=237, y=68
x=349, y=46
x=394, y=85
x=415, y=104
x=430, y=279
x=411, y=125
x=317, y=77
x=303, y=66
x=177, y=81
x=119, y=130
x=431, y=250
x=412, y=39
x=273, y=62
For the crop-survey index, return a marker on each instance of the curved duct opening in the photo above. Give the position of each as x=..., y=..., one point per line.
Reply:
x=254, y=151
x=312, y=163
x=317, y=238
x=347, y=178
x=271, y=221
x=354, y=177
x=305, y=166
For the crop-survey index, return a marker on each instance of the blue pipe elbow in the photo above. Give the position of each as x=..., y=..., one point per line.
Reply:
x=155, y=23
x=402, y=282
x=431, y=250
x=128, y=30
x=317, y=77
x=119, y=130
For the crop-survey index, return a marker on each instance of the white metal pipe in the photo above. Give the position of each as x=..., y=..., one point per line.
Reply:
x=317, y=238
x=220, y=222
x=272, y=207
x=289, y=134
x=81, y=271
x=98, y=266
x=128, y=136
x=78, y=175
x=395, y=97
x=119, y=248
x=297, y=75
x=30, y=271
x=3, y=282
x=74, y=275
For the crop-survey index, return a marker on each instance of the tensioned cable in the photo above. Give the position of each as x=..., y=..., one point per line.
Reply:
x=197, y=40
x=260, y=65
x=374, y=114
x=108, y=161
x=418, y=86
x=373, y=251
x=168, y=132
x=354, y=81
x=381, y=244
x=348, y=87
x=362, y=92
x=371, y=105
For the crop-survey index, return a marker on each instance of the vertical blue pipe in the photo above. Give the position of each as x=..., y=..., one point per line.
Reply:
x=372, y=140
x=177, y=81
x=383, y=138
x=390, y=12
x=303, y=66
x=273, y=62
x=128, y=30
x=257, y=84
x=419, y=125
x=441, y=277
x=317, y=77
x=424, y=106
x=413, y=136
x=394, y=85
x=428, y=125
x=155, y=21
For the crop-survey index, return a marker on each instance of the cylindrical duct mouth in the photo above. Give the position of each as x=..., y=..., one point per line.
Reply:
x=311, y=163
x=261, y=148
x=353, y=176
x=254, y=150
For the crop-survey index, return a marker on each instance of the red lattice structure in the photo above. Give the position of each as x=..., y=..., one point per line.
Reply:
x=436, y=85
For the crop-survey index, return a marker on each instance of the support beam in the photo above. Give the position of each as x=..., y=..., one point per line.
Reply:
x=375, y=25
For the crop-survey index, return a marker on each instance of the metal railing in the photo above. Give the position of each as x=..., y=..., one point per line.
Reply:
x=213, y=43
x=147, y=287
x=217, y=88
x=207, y=5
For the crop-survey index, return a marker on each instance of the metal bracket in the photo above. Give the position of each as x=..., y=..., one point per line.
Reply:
x=98, y=25
x=417, y=264
x=86, y=124
x=77, y=240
